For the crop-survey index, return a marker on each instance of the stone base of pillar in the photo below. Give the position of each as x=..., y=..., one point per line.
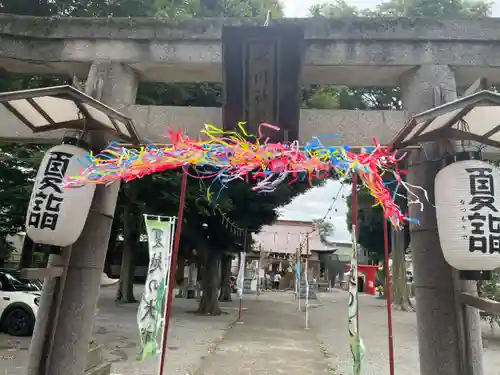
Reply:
x=104, y=369
x=95, y=365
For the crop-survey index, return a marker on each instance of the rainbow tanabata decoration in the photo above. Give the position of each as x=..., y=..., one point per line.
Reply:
x=230, y=155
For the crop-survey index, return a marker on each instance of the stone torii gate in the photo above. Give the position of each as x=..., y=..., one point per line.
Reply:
x=263, y=69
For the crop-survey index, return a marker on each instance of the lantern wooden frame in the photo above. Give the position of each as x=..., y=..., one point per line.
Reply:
x=65, y=107
x=449, y=121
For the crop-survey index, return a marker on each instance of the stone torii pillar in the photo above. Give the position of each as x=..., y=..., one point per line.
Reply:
x=444, y=348
x=115, y=85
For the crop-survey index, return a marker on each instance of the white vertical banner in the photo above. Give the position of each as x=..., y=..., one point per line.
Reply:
x=241, y=275
x=306, y=276
x=259, y=267
x=150, y=315
x=355, y=342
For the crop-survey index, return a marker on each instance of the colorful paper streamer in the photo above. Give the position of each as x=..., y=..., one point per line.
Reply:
x=227, y=156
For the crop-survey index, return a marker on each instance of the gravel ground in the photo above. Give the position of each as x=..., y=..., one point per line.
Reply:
x=330, y=324
x=190, y=338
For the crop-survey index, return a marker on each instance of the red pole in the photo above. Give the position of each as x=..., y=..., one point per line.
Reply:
x=388, y=298
x=173, y=264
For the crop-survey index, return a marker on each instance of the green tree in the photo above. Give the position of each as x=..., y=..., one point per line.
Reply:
x=258, y=209
x=370, y=224
x=77, y=8
x=325, y=229
x=318, y=97
x=89, y=8
x=389, y=98
x=212, y=239
x=166, y=94
x=179, y=9
x=406, y=8
x=491, y=289
x=337, y=8
x=370, y=218
x=204, y=229
x=18, y=167
x=434, y=8
x=19, y=164
x=130, y=212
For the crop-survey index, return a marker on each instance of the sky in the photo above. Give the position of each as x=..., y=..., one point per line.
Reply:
x=315, y=203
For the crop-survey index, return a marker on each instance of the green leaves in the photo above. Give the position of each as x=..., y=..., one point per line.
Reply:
x=370, y=223
x=491, y=289
x=18, y=167
x=325, y=229
x=407, y=8
x=79, y=8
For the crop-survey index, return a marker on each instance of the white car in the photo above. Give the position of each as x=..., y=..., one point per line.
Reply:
x=19, y=301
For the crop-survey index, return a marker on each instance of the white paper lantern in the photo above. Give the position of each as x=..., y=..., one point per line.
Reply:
x=468, y=215
x=56, y=215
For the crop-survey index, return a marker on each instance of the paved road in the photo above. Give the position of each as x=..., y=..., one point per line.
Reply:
x=330, y=324
x=271, y=341
x=190, y=338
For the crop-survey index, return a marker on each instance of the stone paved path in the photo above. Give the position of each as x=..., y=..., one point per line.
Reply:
x=271, y=341
x=329, y=322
